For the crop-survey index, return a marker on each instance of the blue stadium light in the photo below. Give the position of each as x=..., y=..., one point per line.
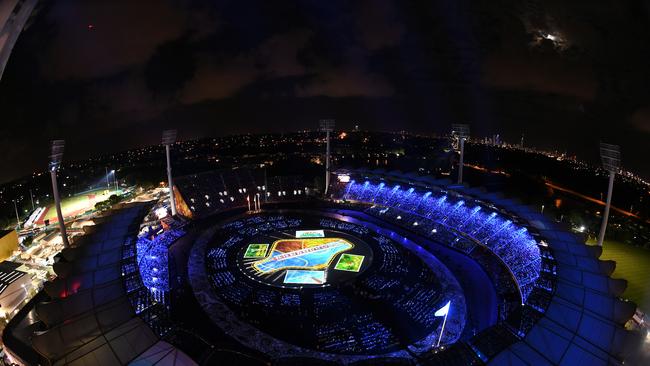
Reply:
x=434, y=216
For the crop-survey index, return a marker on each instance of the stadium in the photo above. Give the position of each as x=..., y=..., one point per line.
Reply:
x=385, y=268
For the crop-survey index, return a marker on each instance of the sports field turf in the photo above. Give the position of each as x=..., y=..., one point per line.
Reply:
x=71, y=206
x=632, y=264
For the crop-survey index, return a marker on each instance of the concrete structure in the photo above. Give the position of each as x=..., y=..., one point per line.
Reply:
x=94, y=312
x=13, y=286
x=8, y=243
x=13, y=17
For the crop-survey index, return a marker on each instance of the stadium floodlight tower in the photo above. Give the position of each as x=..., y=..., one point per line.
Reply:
x=611, y=158
x=462, y=133
x=55, y=162
x=327, y=125
x=168, y=138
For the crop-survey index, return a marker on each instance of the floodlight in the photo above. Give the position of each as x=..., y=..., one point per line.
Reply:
x=56, y=155
x=460, y=130
x=168, y=137
x=610, y=156
x=327, y=125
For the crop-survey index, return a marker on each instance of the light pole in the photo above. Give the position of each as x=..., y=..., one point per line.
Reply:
x=462, y=133
x=55, y=162
x=108, y=185
x=31, y=196
x=168, y=138
x=327, y=125
x=114, y=179
x=611, y=158
x=17, y=217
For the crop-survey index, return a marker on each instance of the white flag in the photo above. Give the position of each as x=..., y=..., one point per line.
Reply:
x=443, y=310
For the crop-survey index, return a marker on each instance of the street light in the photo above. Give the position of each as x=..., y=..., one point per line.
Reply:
x=611, y=158
x=55, y=162
x=168, y=138
x=114, y=179
x=461, y=132
x=327, y=125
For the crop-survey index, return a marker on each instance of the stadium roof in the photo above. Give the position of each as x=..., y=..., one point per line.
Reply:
x=90, y=318
x=9, y=274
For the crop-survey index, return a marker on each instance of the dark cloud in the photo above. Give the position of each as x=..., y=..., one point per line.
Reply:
x=385, y=64
x=343, y=82
x=641, y=120
x=213, y=83
x=379, y=24
x=539, y=72
x=94, y=39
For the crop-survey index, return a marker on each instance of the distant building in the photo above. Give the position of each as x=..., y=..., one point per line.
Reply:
x=13, y=286
x=8, y=243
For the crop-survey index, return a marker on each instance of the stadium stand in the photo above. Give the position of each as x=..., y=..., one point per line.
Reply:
x=572, y=312
x=207, y=193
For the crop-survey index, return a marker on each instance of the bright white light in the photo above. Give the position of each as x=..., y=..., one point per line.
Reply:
x=582, y=229
x=550, y=37
x=161, y=213
x=343, y=178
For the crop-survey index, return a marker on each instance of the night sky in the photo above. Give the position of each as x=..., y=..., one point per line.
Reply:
x=111, y=75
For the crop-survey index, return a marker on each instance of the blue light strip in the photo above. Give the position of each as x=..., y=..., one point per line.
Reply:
x=509, y=241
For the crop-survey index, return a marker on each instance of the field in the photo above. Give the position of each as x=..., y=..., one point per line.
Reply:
x=256, y=251
x=312, y=253
x=349, y=262
x=75, y=205
x=632, y=264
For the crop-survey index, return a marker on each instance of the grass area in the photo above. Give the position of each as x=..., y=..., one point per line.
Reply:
x=632, y=264
x=74, y=205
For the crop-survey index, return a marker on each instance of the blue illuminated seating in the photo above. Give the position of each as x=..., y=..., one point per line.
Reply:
x=455, y=222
